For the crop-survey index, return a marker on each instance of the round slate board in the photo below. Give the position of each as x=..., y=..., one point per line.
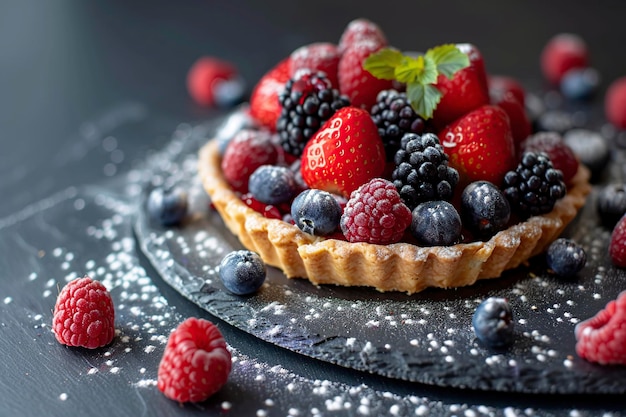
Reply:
x=425, y=337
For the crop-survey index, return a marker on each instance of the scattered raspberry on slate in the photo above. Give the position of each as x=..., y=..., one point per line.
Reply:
x=615, y=103
x=375, y=214
x=562, y=53
x=195, y=364
x=264, y=105
x=319, y=56
x=212, y=81
x=553, y=144
x=360, y=30
x=84, y=315
x=602, y=338
x=247, y=151
x=617, y=247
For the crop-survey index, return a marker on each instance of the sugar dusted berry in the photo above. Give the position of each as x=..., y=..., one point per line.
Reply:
x=361, y=30
x=566, y=257
x=590, y=147
x=84, y=315
x=561, y=155
x=493, y=322
x=611, y=204
x=264, y=105
x=273, y=184
x=436, y=223
x=316, y=212
x=242, y=272
x=422, y=172
x=319, y=56
x=602, y=338
x=168, y=207
x=617, y=246
x=196, y=362
x=375, y=214
x=484, y=209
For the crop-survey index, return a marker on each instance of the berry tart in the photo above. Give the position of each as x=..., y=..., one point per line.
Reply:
x=407, y=170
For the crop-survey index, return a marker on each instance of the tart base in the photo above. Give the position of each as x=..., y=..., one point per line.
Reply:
x=398, y=267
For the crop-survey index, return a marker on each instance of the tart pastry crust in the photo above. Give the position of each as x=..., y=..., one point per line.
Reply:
x=397, y=267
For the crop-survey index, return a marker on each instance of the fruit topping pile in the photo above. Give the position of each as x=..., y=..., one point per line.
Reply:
x=362, y=142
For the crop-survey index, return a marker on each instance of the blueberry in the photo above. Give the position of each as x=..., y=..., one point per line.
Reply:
x=436, y=223
x=316, y=212
x=242, y=272
x=566, y=257
x=272, y=184
x=590, y=147
x=239, y=119
x=611, y=204
x=493, y=322
x=168, y=208
x=580, y=83
x=484, y=209
x=229, y=93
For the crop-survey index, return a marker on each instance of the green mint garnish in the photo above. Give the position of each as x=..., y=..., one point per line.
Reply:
x=418, y=73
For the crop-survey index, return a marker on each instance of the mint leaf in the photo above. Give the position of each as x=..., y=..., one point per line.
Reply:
x=382, y=64
x=423, y=98
x=448, y=59
x=410, y=69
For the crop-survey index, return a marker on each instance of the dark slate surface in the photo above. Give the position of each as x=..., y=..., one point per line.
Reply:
x=92, y=90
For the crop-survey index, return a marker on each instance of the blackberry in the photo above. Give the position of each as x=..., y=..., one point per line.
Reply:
x=422, y=172
x=394, y=116
x=535, y=186
x=307, y=101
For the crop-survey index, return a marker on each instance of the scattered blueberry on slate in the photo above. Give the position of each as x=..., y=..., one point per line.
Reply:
x=565, y=257
x=229, y=93
x=169, y=207
x=436, y=223
x=484, y=209
x=272, y=184
x=493, y=322
x=611, y=204
x=316, y=212
x=580, y=84
x=590, y=147
x=242, y=272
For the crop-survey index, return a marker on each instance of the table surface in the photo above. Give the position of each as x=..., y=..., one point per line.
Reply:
x=91, y=89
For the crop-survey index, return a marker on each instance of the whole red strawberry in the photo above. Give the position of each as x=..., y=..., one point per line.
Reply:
x=264, y=105
x=617, y=247
x=521, y=127
x=501, y=84
x=359, y=85
x=359, y=30
x=561, y=155
x=320, y=56
x=195, y=364
x=602, y=338
x=344, y=153
x=480, y=145
x=247, y=150
x=465, y=91
x=84, y=314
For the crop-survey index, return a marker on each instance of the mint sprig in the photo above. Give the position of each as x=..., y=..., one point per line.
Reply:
x=418, y=73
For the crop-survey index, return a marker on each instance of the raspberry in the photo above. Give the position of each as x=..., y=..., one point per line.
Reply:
x=195, y=364
x=247, y=151
x=617, y=247
x=561, y=155
x=562, y=53
x=321, y=56
x=214, y=81
x=615, y=103
x=84, y=315
x=375, y=214
x=602, y=338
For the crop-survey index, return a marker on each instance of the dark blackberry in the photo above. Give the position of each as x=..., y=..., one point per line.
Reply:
x=307, y=101
x=394, y=116
x=535, y=186
x=422, y=172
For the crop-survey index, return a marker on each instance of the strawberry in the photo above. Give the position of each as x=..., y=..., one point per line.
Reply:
x=264, y=105
x=321, y=56
x=602, y=338
x=345, y=153
x=501, y=84
x=359, y=85
x=521, y=127
x=617, y=247
x=464, y=92
x=480, y=145
x=359, y=30
x=562, y=53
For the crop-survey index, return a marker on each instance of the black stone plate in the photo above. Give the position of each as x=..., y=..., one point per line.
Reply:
x=426, y=337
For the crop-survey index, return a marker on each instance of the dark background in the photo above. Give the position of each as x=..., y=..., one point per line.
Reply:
x=88, y=89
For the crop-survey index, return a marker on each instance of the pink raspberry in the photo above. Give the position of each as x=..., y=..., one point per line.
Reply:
x=84, y=315
x=602, y=338
x=195, y=364
x=375, y=214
